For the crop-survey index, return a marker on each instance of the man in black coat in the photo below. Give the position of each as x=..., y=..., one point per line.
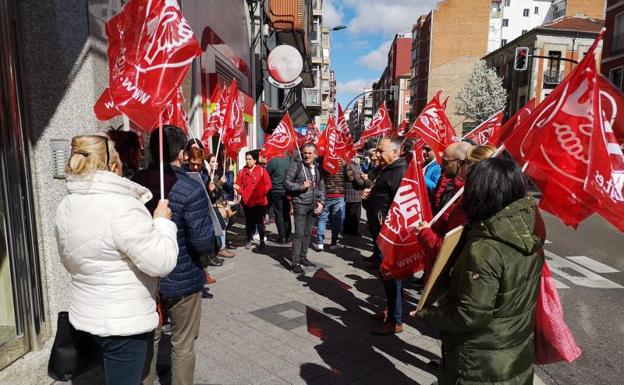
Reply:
x=378, y=201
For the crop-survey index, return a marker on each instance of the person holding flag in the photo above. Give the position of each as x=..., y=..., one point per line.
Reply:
x=487, y=320
x=453, y=156
x=378, y=201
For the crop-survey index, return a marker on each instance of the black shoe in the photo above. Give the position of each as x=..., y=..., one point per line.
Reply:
x=206, y=293
x=215, y=262
x=307, y=263
x=260, y=248
x=297, y=269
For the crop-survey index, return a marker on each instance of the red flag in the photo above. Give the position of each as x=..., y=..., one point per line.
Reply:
x=562, y=143
x=398, y=242
x=215, y=123
x=321, y=144
x=311, y=136
x=281, y=140
x=513, y=122
x=434, y=127
x=234, y=134
x=379, y=125
x=344, y=142
x=605, y=174
x=150, y=48
x=174, y=113
x=612, y=103
x=487, y=130
x=402, y=129
x=331, y=160
x=418, y=149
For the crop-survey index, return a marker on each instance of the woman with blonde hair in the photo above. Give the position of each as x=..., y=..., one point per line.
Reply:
x=114, y=251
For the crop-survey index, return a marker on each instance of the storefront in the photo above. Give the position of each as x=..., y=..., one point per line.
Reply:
x=22, y=316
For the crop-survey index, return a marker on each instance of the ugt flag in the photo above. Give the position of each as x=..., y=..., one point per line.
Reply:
x=487, y=132
x=434, y=127
x=281, y=140
x=331, y=159
x=379, y=125
x=234, y=133
x=398, y=242
x=150, y=48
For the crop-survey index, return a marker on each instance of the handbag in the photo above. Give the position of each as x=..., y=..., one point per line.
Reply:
x=553, y=338
x=73, y=353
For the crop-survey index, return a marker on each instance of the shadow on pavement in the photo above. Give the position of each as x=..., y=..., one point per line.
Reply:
x=347, y=347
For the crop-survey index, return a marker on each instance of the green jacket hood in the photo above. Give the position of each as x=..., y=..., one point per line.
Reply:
x=517, y=225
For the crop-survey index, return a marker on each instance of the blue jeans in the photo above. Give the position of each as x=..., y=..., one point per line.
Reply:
x=124, y=358
x=394, y=298
x=333, y=211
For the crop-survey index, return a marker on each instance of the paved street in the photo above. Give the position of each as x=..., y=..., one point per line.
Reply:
x=588, y=264
x=267, y=326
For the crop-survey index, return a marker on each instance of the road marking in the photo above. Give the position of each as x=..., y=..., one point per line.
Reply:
x=593, y=265
x=583, y=276
x=559, y=284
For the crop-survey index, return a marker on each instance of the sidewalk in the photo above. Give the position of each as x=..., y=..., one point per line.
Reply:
x=265, y=325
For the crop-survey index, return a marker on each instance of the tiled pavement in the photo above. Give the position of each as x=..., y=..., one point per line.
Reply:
x=266, y=325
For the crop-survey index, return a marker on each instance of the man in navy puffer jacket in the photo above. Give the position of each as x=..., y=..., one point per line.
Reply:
x=180, y=291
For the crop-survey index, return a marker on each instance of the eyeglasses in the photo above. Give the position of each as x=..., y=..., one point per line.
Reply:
x=447, y=161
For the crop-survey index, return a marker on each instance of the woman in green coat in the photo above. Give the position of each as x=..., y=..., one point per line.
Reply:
x=486, y=322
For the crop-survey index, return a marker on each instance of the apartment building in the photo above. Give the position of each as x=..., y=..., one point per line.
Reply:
x=612, y=65
x=568, y=37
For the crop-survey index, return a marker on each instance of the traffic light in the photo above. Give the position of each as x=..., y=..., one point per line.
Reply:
x=522, y=59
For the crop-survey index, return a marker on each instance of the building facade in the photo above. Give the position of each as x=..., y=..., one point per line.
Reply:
x=393, y=85
x=612, y=65
x=53, y=68
x=568, y=37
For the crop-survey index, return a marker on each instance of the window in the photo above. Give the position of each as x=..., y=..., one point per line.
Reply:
x=507, y=3
x=315, y=30
x=536, y=10
x=524, y=31
x=503, y=42
x=615, y=75
x=525, y=13
x=505, y=22
x=618, y=34
x=554, y=62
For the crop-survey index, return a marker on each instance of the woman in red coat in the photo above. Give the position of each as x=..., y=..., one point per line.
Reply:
x=253, y=184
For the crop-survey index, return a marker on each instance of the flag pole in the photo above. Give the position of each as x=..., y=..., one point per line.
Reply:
x=161, y=157
x=217, y=155
x=301, y=157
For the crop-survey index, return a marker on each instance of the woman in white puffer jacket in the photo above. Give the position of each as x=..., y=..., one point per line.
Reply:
x=114, y=251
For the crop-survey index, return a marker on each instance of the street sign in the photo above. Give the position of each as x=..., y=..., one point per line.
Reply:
x=521, y=61
x=284, y=65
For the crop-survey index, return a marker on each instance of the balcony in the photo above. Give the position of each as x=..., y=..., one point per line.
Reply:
x=553, y=77
x=618, y=44
x=312, y=98
x=316, y=52
x=317, y=7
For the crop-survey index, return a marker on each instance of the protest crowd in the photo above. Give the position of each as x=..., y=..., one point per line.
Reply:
x=144, y=268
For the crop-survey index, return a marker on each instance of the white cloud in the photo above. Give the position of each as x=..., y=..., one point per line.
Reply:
x=386, y=16
x=378, y=58
x=353, y=87
x=360, y=44
x=332, y=16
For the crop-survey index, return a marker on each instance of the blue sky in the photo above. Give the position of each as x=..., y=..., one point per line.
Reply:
x=359, y=53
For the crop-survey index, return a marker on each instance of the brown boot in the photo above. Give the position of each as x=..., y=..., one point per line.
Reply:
x=224, y=253
x=210, y=279
x=387, y=328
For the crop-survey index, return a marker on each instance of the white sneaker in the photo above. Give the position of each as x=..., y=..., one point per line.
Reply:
x=318, y=246
x=256, y=237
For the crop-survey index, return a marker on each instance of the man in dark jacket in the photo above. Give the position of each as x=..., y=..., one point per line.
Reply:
x=180, y=291
x=334, y=210
x=379, y=199
x=278, y=199
x=305, y=185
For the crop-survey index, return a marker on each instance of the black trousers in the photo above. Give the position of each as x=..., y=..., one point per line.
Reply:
x=304, y=220
x=353, y=214
x=281, y=207
x=254, y=219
